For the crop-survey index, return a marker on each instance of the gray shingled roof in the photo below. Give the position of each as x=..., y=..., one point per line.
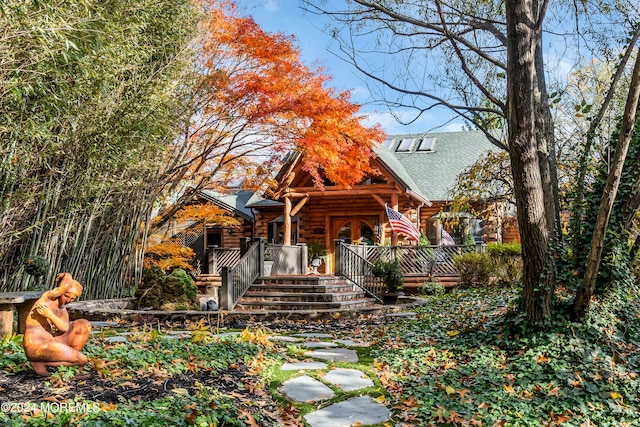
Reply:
x=435, y=172
x=234, y=202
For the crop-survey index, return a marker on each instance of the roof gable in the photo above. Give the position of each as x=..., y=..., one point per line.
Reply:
x=434, y=171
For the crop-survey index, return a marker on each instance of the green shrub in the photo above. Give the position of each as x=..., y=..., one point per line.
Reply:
x=158, y=289
x=507, y=262
x=391, y=274
x=474, y=269
x=179, y=284
x=431, y=288
x=36, y=266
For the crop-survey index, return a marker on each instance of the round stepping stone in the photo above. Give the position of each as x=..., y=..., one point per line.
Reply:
x=285, y=339
x=319, y=344
x=362, y=410
x=116, y=338
x=306, y=389
x=334, y=354
x=348, y=379
x=351, y=343
x=297, y=366
x=313, y=335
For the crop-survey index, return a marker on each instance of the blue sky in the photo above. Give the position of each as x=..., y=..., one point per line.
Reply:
x=287, y=17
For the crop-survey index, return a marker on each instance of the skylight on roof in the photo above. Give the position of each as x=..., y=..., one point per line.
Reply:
x=388, y=142
x=427, y=144
x=406, y=145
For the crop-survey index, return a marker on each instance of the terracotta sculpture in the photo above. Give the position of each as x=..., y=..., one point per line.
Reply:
x=50, y=339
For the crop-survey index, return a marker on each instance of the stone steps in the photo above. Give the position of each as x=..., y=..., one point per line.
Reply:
x=302, y=296
x=277, y=305
x=291, y=293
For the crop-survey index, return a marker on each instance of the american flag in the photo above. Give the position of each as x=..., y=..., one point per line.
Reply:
x=447, y=240
x=400, y=224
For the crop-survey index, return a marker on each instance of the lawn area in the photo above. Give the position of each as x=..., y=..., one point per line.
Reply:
x=465, y=360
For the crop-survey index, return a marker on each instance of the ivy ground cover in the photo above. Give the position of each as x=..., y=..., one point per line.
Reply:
x=469, y=360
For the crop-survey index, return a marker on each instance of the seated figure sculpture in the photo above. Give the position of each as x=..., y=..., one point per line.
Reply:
x=50, y=339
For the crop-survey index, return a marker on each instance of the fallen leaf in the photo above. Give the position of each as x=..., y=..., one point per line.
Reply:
x=616, y=396
x=542, y=359
x=243, y=413
x=381, y=399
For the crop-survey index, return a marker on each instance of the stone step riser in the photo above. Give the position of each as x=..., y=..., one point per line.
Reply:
x=263, y=297
x=302, y=288
x=304, y=306
x=304, y=280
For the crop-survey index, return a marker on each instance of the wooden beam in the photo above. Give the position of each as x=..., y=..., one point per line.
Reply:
x=330, y=189
x=287, y=222
x=379, y=199
x=299, y=206
x=353, y=192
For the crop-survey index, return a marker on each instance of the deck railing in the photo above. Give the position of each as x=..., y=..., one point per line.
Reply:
x=287, y=259
x=236, y=280
x=353, y=266
x=433, y=260
x=354, y=262
x=222, y=257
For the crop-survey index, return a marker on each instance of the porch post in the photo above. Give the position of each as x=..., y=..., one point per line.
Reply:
x=261, y=254
x=338, y=255
x=394, y=206
x=287, y=221
x=226, y=290
x=304, y=258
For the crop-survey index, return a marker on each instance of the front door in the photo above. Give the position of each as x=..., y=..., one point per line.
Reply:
x=355, y=229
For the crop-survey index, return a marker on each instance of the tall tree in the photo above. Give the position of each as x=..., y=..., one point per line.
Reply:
x=616, y=169
x=500, y=71
x=254, y=100
x=90, y=100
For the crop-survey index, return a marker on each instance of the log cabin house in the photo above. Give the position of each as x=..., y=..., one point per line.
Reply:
x=416, y=173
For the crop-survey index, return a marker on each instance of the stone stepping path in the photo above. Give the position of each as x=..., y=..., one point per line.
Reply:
x=360, y=411
x=306, y=389
x=308, y=386
x=348, y=379
x=334, y=355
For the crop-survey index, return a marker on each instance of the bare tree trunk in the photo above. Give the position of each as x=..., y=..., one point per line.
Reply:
x=530, y=157
x=577, y=214
x=587, y=288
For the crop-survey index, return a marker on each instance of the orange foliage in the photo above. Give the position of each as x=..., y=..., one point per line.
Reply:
x=257, y=98
x=206, y=213
x=170, y=253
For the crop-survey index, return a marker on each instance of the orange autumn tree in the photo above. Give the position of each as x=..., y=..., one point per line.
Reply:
x=254, y=101
x=169, y=252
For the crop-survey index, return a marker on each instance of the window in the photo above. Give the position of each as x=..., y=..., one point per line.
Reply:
x=214, y=237
x=388, y=142
x=406, y=145
x=427, y=144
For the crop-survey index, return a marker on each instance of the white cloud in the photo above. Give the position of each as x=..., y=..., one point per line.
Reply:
x=272, y=6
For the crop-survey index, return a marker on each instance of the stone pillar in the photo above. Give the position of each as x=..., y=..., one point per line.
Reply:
x=6, y=320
